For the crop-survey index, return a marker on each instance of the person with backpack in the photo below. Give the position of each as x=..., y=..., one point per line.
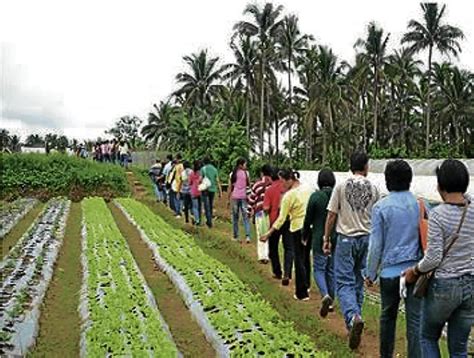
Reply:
x=210, y=185
x=186, y=190
x=351, y=204
x=194, y=181
x=238, y=184
x=314, y=221
x=394, y=246
x=262, y=222
x=449, y=263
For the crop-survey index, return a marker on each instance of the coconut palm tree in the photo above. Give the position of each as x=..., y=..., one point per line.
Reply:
x=432, y=34
x=374, y=49
x=265, y=26
x=201, y=84
x=244, y=67
x=291, y=44
x=158, y=124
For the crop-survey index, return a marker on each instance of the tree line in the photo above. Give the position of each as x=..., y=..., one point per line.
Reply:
x=281, y=81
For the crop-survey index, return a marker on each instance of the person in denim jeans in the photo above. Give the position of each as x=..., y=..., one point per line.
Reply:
x=210, y=172
x=394, y=246
x=239, y=182
x=450, y=296
x=351, y=203
x=323, y=266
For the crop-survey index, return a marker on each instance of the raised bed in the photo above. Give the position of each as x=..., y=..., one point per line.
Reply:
x=119, y=313
x=26, y=272
x=12, y=213
x=235, y=320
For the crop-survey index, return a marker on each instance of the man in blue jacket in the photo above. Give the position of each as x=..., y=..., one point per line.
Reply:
x=394, y=246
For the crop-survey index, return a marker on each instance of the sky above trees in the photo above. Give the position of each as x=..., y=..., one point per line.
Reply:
x=75, y=69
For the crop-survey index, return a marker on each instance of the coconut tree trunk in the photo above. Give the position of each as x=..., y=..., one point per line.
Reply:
x=290, y=114
x=247, y=111
x=325, y=140
x=376, y=85
x=428, y=104
x=262, y=101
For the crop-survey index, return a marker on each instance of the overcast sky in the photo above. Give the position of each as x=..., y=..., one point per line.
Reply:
x=74, y=67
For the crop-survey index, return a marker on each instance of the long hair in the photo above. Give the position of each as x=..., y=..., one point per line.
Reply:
x=289, y=174
x=240, y=161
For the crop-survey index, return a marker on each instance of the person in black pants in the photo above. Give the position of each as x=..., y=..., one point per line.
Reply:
x=288, y=256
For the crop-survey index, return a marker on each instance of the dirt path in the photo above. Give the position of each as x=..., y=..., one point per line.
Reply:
x=59, y=331
x=19, y=229
x=186, y=332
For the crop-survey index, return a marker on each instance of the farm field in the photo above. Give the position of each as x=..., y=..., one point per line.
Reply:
x=123, y=277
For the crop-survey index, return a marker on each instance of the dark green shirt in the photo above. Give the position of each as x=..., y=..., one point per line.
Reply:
x=315, y=219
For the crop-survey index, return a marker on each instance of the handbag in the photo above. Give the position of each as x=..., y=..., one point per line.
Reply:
x=423, y=281
x=205, y=184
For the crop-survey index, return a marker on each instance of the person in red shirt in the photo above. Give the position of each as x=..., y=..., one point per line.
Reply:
x=271, y=205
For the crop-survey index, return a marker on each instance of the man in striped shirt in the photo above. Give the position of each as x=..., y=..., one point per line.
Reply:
x=262, y=222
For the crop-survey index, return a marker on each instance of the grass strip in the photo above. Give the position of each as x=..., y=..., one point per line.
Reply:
x=60, y=322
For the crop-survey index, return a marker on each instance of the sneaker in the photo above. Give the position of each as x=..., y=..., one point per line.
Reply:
x=357, y=326
x=178, y=216
x=247, y=240
x=301, y=299
x=276, y=277
x=285, y=281
x=326, y=303
x=331, y=309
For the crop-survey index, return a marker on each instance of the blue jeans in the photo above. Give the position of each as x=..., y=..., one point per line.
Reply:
x=390, y=294
x=448, y=301
x=240, y=205
x=160, y=195
x=349, y=262
x=197, y=209
x=208, y=200
x=323, y=271
x=175, y=202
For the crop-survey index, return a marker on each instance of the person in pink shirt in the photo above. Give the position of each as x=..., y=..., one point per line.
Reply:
x=194, y=181
x=239, y=182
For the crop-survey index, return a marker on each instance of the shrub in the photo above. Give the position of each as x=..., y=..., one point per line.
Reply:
x=45, y=176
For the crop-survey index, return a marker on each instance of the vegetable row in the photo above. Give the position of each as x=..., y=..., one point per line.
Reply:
x=242, y=323
x=26, y=272
x=120, y=317
x=11, y=213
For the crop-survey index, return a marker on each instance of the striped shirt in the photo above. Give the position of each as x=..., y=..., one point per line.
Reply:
x=443, y=223
x=257, y=194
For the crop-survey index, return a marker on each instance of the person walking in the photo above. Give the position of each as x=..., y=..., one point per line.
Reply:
x=194, y=181
x=210, y=172
x=449, y=258
x=186, y=191
x=262, y=222
x=166, y=172
x=293, y=205
x=124, y=152
x=155, y=174
x=315, y=219
x=238, y=184
x=351, y=204
x=271, y=205
x=394, y=246
x=175, y=182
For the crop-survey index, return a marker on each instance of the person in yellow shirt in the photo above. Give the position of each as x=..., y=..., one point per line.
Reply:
x=176, y=182
x=293, y=205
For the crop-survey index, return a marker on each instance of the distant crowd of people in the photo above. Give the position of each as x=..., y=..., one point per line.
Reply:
x=354, y=236
x=116, y=151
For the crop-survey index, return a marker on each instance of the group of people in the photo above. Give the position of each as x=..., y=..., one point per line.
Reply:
x=187, y=190
x=116, y=151
x=355, y=237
